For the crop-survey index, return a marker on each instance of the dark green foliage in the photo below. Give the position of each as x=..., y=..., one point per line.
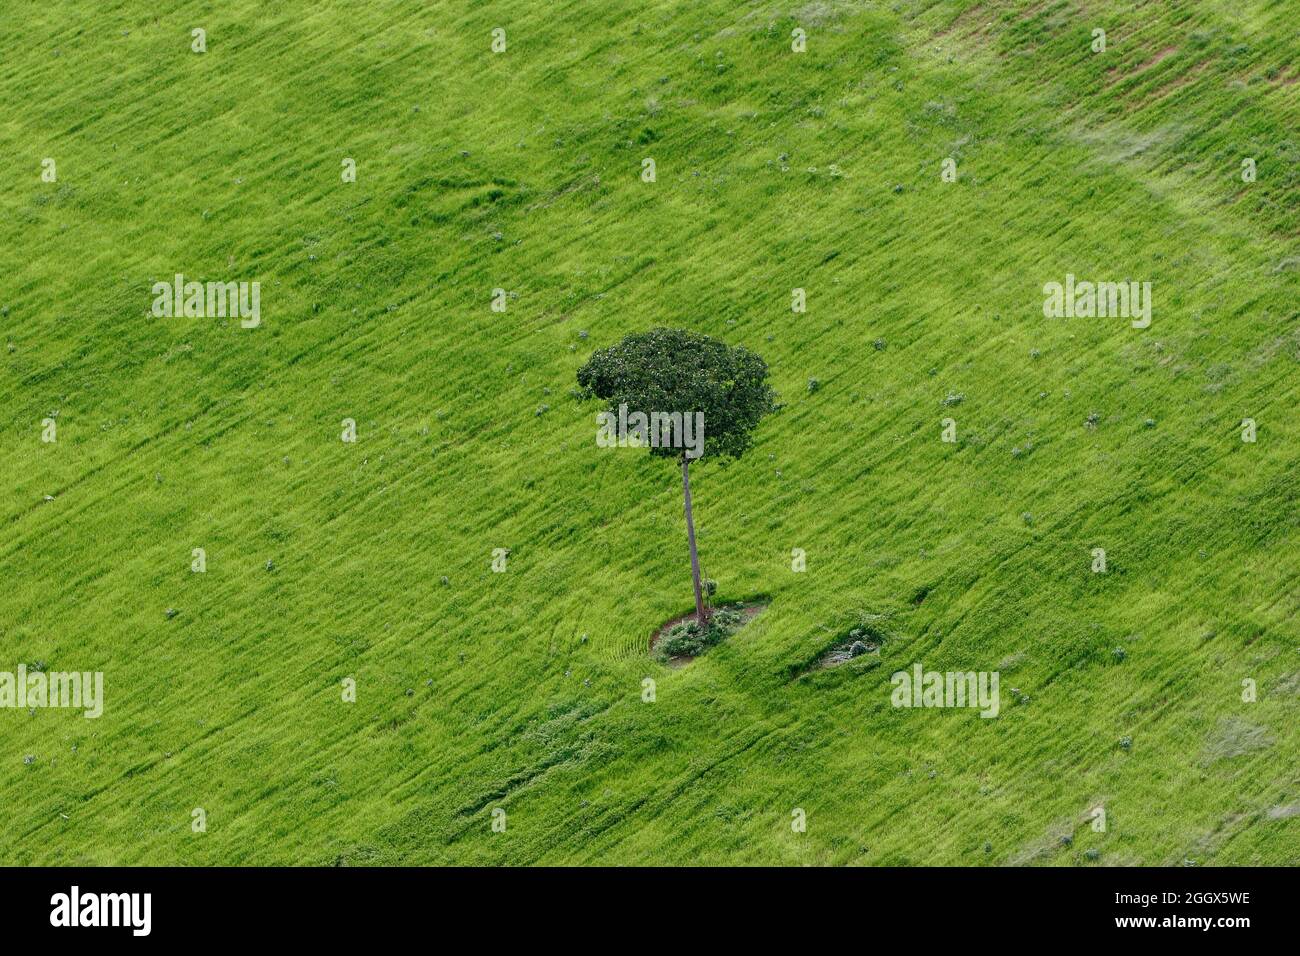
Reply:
x=674, y=370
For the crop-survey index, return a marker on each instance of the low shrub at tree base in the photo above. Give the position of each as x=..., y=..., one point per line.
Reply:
x=689, y=639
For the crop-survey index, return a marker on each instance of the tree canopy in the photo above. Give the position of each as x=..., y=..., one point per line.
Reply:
x=678, y=371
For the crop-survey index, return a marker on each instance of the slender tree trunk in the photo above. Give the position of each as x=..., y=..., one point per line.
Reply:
x=690, y=536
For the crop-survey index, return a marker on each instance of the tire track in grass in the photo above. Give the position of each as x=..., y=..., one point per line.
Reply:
x=657, y=802
x=143, y=767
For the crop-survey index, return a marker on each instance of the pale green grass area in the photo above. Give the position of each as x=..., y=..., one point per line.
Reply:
x=521, y=171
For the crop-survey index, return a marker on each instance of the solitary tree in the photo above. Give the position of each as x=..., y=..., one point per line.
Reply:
x=683, y=395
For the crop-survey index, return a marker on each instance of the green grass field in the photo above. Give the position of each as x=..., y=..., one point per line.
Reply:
x=522, y=690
